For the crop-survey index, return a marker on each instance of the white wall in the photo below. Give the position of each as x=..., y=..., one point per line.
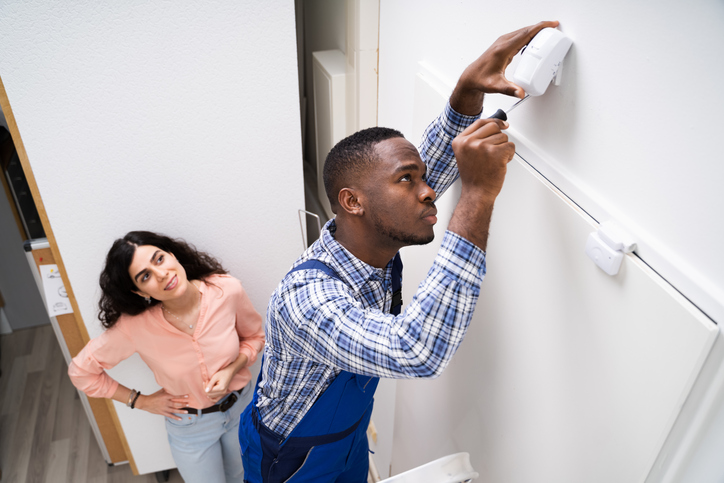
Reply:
x=177, y=117
x=633, y=125
x=615, y=134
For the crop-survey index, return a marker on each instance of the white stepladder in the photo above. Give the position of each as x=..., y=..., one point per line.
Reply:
x=454, y=468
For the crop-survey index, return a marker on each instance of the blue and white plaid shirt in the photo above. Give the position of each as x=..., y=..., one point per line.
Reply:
x=317, y=325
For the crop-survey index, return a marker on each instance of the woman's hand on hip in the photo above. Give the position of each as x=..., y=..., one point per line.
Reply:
x=163, y=403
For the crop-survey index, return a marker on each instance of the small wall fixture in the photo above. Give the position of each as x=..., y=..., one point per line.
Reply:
x=608, y=245
x=541, y=61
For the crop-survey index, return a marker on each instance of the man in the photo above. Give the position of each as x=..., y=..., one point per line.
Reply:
x=334, y=324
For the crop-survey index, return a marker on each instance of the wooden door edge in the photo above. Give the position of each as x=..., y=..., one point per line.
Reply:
x=122, y=437
x=35, y=192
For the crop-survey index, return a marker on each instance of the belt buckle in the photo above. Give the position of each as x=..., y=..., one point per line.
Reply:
x=228, y=402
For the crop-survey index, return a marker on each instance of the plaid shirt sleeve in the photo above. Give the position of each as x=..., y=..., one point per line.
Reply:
x=436, y=148
x=323, y=321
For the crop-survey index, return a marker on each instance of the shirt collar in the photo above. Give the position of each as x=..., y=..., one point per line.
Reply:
x=350, y=268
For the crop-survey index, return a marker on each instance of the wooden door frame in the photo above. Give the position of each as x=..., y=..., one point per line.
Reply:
x=71, y=325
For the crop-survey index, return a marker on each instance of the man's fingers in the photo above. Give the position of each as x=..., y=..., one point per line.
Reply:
x=510, y=148
x=488, y=131
x=490, y=126
x=521, y=37
x=496, y=146
x=509, y=88
x=499, y=138
x=474, y=142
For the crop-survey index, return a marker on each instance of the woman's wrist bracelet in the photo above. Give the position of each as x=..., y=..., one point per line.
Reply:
x=133, y=404
x=131, y=397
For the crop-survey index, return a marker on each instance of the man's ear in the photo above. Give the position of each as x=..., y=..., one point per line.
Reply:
x=349, y=201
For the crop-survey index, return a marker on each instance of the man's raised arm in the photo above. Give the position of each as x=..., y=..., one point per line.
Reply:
x=483, y=150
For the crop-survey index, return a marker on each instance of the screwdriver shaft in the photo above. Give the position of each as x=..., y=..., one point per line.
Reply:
x=517, y=104
x=503, y=115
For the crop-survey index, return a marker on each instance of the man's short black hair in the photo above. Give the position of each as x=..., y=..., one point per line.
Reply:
x=352, y=157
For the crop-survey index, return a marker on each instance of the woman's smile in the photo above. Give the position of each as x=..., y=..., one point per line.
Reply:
x=172, y=284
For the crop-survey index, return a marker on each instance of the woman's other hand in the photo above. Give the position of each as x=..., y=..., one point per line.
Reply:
x=218, y=385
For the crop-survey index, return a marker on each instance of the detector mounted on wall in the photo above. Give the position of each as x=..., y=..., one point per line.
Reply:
x=540, y=64
x=608, y=245
x=541, y=60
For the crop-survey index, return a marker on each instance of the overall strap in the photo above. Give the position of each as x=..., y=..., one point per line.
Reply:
x=396, y=285
x=315, y=265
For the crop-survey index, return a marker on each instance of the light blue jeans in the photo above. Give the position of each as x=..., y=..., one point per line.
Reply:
x=206, y=447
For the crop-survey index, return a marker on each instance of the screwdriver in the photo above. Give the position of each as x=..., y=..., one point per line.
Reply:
x=503, y=115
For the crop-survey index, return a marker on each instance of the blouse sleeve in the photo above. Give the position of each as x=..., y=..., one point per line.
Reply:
x=249, y=327
x=87, y=370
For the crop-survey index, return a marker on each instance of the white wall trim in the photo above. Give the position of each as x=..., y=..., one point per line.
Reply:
x=703, y=293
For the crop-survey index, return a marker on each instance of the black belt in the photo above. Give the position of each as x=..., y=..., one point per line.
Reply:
x=223, y=406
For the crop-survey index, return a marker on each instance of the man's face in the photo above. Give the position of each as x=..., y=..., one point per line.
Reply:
x=397, y=199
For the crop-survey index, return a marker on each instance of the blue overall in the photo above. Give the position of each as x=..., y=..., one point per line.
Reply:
x=330, y=442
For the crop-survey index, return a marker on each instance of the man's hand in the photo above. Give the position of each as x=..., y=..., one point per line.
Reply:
x=487, y=73
x=483, y=153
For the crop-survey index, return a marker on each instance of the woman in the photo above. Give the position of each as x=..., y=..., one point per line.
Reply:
x=196, y=329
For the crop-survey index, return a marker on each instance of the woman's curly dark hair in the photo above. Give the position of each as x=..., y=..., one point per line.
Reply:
x=117, y=297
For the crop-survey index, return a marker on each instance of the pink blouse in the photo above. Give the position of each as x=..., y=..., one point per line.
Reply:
x=228, y=326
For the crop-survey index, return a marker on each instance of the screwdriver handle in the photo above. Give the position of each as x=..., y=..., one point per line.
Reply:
x=499, y=114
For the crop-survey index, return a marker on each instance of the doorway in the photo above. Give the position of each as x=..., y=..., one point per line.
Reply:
x=23, y=307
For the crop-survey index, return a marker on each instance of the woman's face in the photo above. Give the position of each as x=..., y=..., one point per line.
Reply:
x=157, y=273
